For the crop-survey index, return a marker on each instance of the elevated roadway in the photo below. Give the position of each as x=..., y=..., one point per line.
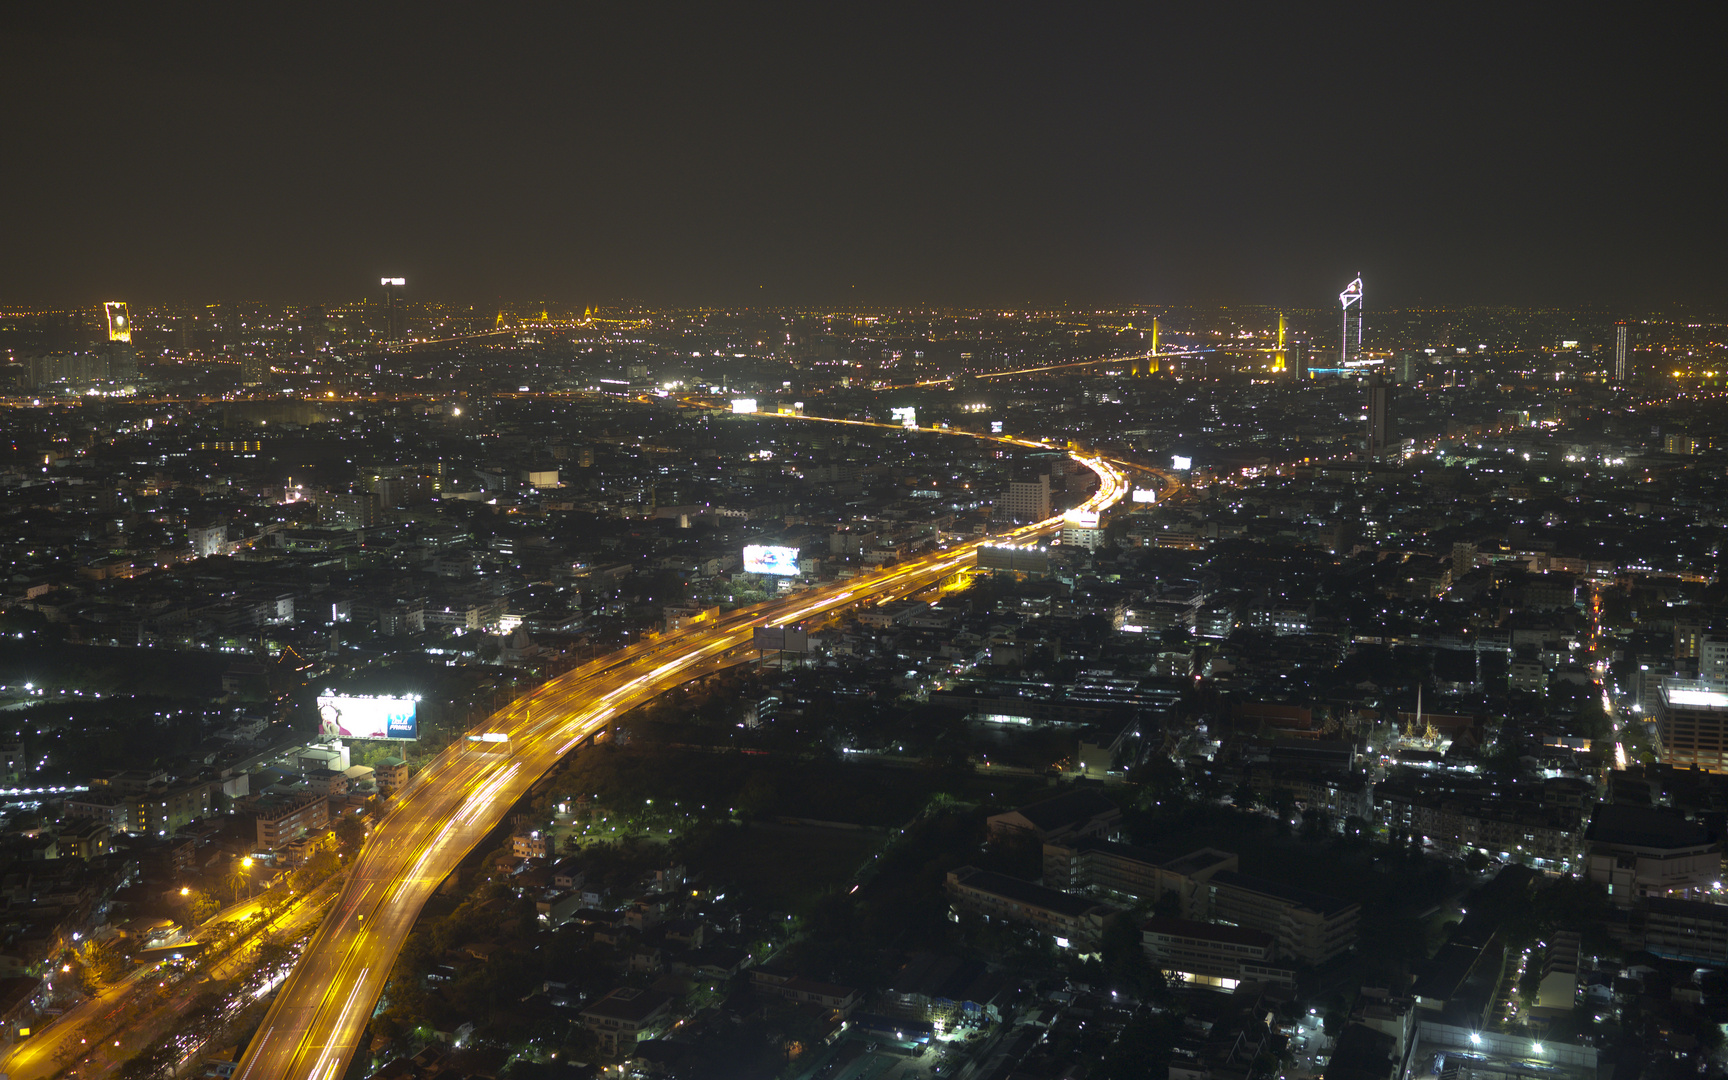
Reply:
x=314, y=1025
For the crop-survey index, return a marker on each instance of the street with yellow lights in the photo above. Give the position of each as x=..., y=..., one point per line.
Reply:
x=316, y=1021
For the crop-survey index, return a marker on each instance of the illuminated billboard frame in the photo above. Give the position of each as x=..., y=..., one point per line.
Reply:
x=744, y=406
x=353, y=716
x=119, y=323
x=771, y=559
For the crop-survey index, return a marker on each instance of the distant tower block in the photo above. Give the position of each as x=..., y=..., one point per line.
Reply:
x=393, y=314
x=1620, y=352
x=1379, y=414
x=119, y=323
x=1281, y=359
x=1350, y=350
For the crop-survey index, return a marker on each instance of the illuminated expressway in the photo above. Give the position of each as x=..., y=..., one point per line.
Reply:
x=316, y=1021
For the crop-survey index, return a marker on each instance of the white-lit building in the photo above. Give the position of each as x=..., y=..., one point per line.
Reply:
x=1026, y=500
x=1692, y=719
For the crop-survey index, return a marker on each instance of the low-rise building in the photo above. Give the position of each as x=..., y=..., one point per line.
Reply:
x=1310, y=927
x=281, y=818
x=1073, y=920
x=1211, y=954
x=1081, y=812
x=625, y=1015
x=1638, y=851
x=391, y=774
x=839, y=1001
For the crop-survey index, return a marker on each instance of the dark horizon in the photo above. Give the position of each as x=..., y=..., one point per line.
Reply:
x=896, y=158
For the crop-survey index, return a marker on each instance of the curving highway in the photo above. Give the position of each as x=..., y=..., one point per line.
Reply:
x=315, y=1023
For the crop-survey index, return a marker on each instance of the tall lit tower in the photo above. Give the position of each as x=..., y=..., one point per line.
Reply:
x=1620, y=352
x=119, y=324
x=393, y=314
x=1280, y=359
x=1350, y=349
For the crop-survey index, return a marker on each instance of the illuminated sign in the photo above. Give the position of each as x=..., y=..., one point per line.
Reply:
x=1180, y=463
x=397, y=281
x=1084, y=519
x=907, y=416
x=744, y=405
x=344, y=716
x=1145, y=495
x=995, y=427
x=767, y=559
x=119, y=323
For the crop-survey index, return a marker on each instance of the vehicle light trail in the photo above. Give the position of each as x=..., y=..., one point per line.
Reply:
x=321, y=1010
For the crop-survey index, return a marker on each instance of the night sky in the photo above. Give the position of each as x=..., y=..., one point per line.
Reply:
x=866, y=153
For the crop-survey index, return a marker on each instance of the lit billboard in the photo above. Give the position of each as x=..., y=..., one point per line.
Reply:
x=1180, y=463
x=345, y=716
x=744, y=405
x=908, y=416
x=767, y=559
x=1145, y=495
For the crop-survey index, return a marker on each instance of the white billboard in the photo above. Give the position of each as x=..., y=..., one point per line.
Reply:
x=349, y=717
x=907, y=416
x=1145, y=495
x=743, y=405
x=1180, y=463
x=771, y=559
x=1083, y=519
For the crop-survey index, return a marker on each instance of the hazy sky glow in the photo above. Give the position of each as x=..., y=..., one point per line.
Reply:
x=799, y=155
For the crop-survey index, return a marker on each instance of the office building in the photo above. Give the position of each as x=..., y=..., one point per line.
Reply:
x=1026, y=499
x=1712, y=652
x=1620, y=352
x=1379, y=410
x=1692, y=716
x=359, y=510
x=395, y=327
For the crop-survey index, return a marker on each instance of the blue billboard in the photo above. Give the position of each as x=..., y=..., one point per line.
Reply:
x=342, y=716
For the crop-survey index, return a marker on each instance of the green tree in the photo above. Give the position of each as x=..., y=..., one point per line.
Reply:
x=102, y=963
x=201, y=905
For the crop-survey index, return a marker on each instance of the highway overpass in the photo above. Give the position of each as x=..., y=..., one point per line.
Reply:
x=316, y=1021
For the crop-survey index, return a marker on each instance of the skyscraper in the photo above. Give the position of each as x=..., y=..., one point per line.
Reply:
x=1379, y=409
x=1350, y=350
x=119, y=324
x=393, y=321
x=1620, y=352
